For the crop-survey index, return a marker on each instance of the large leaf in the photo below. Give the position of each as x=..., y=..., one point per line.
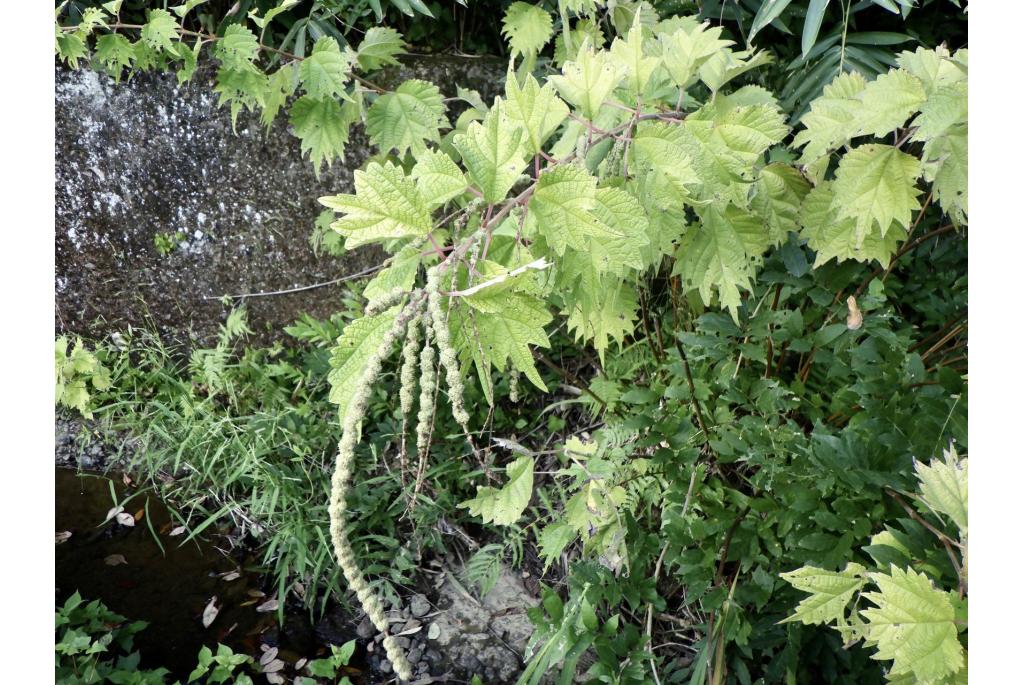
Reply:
x=406, y=118
x=688, y=47
x=562, y=204
x=630, y=52
x=380, y=47
x=527, y=28
x=357, y=344
x=492, y=153
x=589, y=80
x=324, y=73
x=876, y=186
x=913, y=626
x=830, y=592
x=439, y=178
x=944, y=488
x=831, y=237
x=538, y=110
x=833, y=118
x=888, y=102
x=503, y=506
x=386, y=205
x=322, y=127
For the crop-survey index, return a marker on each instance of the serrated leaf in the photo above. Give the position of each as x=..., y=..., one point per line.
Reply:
x=934, y=67
x=407, y=118
x=833, y=118
x=725, y=65
x=357, y=343
x=386, y=205
x=611, y=317
x=241, y=89
x=830, y=592
x=663, y=147
x=438, y=176
x=888, y=102
x=562, y=203
x=945, y=166
x=237, y=49
x=504, y=506
x=281, y=85
x=589, y=80
x=944, y=489
x=876, y=186
x=831, y=237
x=527, y=28
x=70, y=47
x=913, y=626
x=400, y=274
x=779, y=193
x=538, y=110
x=322, y=127
x=324, y=72
x=160, y=30
x=621, y=244
x=498, y=328
x=379, y=48
x=688, y=47
x=115, y=53
x=491, y=151
x=186, y=7
x=719, y=255
x=945, y=109
x=553, y=540
x=630, y=52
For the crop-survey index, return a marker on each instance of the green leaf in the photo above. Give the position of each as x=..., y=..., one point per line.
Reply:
x=621, y=244
x=768, y=12
x=663, y=147
x=527, y=28
x=70, y=47
x=630, y=52
x=400, y=274
x=589, y=80
x=726, y=65
x=186, y=7
x=357, y=344
x=324, y=73
x=498, y=328
x=115, y=53
x=945, y=166
x=237, y=49
x=386, y=205
x=833, y=119
x=830, y=592
x=406, y=118
x=935, y=68
x=438, y=176
x=876, y=186
x=913, y=625
x=492, y=154
x=160, y=31
x=831, y=237
x=944, y=110
x=611, y=317
x=553, y=540
x=719, y=255
x=685, y=50
x=241, y=88
x=779, y=193
x=562, y=203
x=812, y=24
x=944, y=489
x=379, y=48
x=504, y=506
x=888, y=101
x=271, y=13
x=280, y=87
x=539, y=111
x=322, y=127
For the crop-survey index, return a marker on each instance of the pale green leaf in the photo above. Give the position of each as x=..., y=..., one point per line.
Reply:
x=386, y=205
x=186, y=7
x=324, y=72
x=688, y=47
x=322, y=127
x=621, y=244
x=406, y=118
x=553, y=540
x=380, y=47
x=611, y=317
x=401, y=273
x=945, y=166
x=830, y=592
x=438, y=177
x=630, y=52
x=504, y=506
x=237, y=49
x=662, y=147
x=160, y=30
x=527, y=28
x=281, y=86
x=833, y=119
x=913, y=626
x=876, y=186
x=725, y=65
x=589, y=80
x=888, y=101
x=944, y=489
x=115, y=53
x=561, y=203
x=779, y=193
x=944, y=110
x=241, y=89
x=935, y=68
x=492, y=154
x=834, y=238
x=539, y=111
x=358, y=342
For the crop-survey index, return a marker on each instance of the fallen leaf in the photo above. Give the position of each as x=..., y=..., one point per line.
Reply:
x=268, y=655
x=126, y=479
x=275, y=679
x=300, y=663
x=411, y=631
x=255, y=593
x=177, y=531
x=273, y=666
x=139, y=514
x=125, y=519
x=62, y=536
x=233, y=575
x=269, y=605
x=113, y=512
x=115, y=560
x=210, y=612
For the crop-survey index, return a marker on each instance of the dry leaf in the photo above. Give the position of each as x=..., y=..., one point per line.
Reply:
x=232, y=575
x=126, y=479
x=411, y=631
x=275, y=678
x=177, y=531
x=855, y=318
x=273, y=666
x=125, y=519
x=210, y=612
x=113, y=512
x=62, y=536
x=268, y=655
x=269, y=605
x=254, y=593
x=115, y=560
x=300, y=663
x=139, y=514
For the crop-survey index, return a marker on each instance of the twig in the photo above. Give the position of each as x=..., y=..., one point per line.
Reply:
x=270, y=293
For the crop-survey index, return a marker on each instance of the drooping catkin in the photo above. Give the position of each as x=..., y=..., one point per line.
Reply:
x=383, y=301
x=513, y=386
x=428, y=382
x=340, y=487
x=449, y=359
x=410, y=360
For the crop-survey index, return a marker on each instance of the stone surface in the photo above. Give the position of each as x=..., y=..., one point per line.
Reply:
x=147, y=157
